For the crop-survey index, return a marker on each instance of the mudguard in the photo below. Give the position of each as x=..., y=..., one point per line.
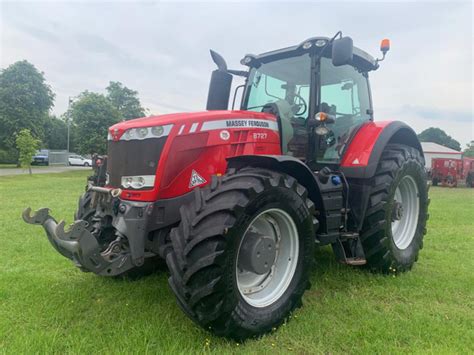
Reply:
x=284, y=163
x=363, y=153
x=362, y=156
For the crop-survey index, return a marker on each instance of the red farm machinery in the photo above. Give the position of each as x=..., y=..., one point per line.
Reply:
x=447, y=172
x=237, y=200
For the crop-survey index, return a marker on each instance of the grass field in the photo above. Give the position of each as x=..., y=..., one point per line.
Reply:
x=47, y=305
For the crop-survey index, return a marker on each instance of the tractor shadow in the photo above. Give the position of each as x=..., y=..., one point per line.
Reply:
x=123, y=299
x=329, y=275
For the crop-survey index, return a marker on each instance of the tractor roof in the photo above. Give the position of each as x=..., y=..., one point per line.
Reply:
x=362, y=60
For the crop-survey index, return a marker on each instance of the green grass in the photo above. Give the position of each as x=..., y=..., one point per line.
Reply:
x=47, y=305
x=8, y=166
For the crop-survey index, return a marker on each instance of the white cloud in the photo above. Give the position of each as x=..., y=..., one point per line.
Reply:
x=161, y=49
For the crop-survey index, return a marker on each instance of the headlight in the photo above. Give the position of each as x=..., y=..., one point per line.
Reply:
x=138, y=182
x=146, y=132
x=142, y=132
x=157, y=131
x=127, y=181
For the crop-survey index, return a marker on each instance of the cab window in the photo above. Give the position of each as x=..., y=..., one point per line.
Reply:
x=286, y=84
x=345, y=96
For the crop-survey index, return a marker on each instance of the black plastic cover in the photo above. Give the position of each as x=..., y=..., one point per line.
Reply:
x=219, y=90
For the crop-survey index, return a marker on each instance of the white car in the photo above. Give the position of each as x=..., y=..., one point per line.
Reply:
x=78, y=160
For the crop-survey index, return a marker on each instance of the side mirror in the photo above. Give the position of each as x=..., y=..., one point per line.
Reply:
x=342, y=51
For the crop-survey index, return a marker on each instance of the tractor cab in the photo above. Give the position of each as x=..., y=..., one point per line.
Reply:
x=321, y=77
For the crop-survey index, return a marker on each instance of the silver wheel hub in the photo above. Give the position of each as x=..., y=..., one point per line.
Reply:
x=405, y=212
x=267, y=258
x=397, y=213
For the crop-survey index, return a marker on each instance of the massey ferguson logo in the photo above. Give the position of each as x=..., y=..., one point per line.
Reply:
x=247, y=123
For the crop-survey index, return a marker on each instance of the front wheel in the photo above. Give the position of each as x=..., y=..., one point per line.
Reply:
x=395, y=222
x=242, y=253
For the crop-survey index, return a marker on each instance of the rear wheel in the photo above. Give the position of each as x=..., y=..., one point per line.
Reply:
x=242, y=253
x=395, y=222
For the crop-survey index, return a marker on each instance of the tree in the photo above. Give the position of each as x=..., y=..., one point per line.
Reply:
x=125, y=100
x=469, y=151
x=25, y=100
x=91, y=115
x=439, y=136
x=27, y=146
x=55, y=133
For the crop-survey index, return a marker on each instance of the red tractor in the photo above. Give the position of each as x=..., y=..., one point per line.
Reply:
x=236, y=201
x=446, y=172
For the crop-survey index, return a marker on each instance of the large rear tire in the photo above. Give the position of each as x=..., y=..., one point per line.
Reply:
x=395, y=222
x=217, y=282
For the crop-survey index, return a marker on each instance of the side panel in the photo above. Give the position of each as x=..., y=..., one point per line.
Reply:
x=200, y=142
x=360, y=148
x=197, y=154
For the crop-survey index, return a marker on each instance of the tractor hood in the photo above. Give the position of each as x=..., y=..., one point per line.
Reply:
x=196, y=119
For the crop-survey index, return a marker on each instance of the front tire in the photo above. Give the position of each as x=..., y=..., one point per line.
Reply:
x=217, y=282
x=395, y=222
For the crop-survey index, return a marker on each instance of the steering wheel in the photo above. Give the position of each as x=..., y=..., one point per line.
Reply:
x=302, y=106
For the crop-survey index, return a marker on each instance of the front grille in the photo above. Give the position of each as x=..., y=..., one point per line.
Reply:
x=133, y=158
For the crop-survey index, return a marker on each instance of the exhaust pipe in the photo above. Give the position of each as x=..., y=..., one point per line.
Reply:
x=220, y=85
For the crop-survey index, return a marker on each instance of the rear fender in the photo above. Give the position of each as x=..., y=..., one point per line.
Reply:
x=360, y=160
x=363, y=153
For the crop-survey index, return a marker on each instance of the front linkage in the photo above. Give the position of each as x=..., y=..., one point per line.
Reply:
x=100, y=244
x=82, y=245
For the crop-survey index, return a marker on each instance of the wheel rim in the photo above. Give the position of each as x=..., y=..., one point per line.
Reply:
x=405, y=212
x=265, y=289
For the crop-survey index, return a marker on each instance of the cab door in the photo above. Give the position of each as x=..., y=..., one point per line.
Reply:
x=344, y=94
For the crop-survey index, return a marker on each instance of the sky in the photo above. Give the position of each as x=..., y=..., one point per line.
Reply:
x=161, y=49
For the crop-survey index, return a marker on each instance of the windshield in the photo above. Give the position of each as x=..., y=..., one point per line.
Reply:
x=284, y=82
